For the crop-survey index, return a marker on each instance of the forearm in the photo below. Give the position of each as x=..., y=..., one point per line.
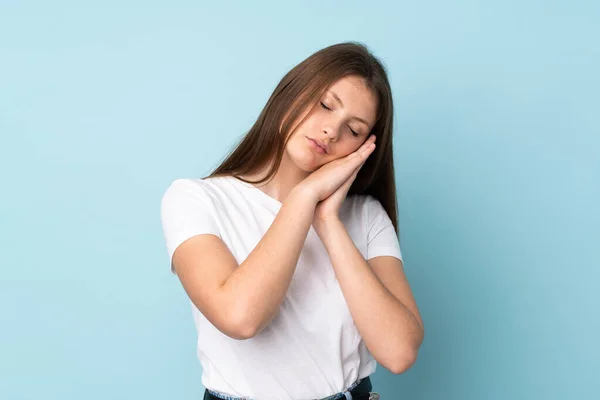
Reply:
x=388, y=327
x=260, y=282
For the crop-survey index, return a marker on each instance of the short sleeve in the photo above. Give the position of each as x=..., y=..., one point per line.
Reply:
x=186, y=210
x=381, y=235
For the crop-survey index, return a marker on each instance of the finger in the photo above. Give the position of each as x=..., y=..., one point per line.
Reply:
x=361, y=155
x=358, y=157
x=346, y=185
x=356, y=171
x=368, y=145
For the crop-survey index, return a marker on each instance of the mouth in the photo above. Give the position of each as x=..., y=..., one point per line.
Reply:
x=319, y=145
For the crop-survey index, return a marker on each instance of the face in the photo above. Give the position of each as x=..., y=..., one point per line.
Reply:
x=341, y=122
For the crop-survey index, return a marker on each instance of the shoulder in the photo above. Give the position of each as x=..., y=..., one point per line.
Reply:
x=191, y=188
x=187, y=195
x=369, y=208
x=360, y=209
x=187, y=210
x=366, y=203
x=185, y=185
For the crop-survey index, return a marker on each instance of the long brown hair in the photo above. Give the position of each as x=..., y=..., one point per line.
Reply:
x=301, y=88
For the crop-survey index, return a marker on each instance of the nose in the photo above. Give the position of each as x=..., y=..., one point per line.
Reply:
x=332, y=131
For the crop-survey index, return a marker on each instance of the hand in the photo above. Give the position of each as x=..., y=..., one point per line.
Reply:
x=326, y=180
x=329, y=208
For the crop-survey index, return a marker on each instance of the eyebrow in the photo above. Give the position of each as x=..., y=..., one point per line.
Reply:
x=342, y=104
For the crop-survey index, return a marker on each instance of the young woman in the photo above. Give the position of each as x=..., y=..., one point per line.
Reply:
x=289, y=250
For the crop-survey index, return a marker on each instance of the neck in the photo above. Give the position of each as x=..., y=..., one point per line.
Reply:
x=286, y=178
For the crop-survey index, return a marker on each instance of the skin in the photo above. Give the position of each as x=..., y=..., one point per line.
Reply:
x=330, y=122
x=241, y=299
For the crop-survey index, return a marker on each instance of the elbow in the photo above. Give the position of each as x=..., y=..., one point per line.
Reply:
x=241, y=328
x=234, y=330
x=408, y=355
x=238, y=330
x=248, y=325
x=244, y=331
x=403, y=362
x=405, y=358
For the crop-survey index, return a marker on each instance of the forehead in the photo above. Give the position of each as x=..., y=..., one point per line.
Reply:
x=350, y=85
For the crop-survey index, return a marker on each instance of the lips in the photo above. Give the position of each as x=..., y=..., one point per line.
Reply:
x=320, y=144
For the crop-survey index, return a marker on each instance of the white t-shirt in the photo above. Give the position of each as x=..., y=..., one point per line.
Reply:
x=312, y=348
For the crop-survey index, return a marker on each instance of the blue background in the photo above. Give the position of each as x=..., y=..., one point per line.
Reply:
x=497, y=151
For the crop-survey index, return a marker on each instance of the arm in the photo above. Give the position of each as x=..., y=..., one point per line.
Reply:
x=240, y=300
x=383, y=310
x=262, y=280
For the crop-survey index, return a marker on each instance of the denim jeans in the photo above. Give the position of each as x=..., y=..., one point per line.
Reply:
x=359, y=390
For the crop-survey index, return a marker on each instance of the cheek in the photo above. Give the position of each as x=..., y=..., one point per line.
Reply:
x=308, y=127
x=346, y=148
x=309, y=123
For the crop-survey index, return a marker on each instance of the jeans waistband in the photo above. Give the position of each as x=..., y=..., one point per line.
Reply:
x=361, y=387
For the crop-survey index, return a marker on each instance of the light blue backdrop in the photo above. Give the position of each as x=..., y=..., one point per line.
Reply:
x=497, y=151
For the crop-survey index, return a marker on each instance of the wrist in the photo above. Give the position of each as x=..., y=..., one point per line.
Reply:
x=327, y=229
x=307, y=195
x=327, y=222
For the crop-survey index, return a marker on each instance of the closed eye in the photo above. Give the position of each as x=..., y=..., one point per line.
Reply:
x=329, y=109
